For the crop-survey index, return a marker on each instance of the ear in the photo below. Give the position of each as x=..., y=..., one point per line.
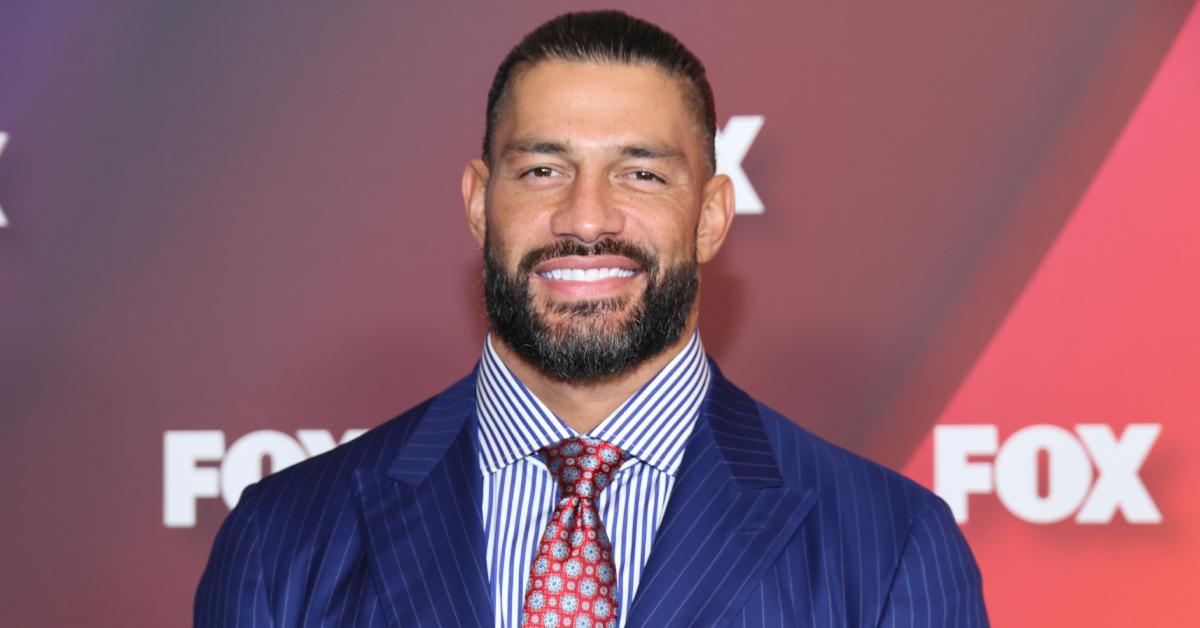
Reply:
x=474, y=192
x=716, y=216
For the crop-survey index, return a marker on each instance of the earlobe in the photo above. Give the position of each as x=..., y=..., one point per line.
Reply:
x=716, y=216
x=474, y=192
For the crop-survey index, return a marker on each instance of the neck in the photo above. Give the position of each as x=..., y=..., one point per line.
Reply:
x=584, y=405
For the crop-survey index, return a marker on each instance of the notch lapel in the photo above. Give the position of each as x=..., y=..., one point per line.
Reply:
x=424, y=535
x=728, y=518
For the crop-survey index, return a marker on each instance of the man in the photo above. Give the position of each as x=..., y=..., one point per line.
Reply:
x=595, y=469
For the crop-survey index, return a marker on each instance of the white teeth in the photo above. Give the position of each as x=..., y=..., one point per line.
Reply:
x=589, y=275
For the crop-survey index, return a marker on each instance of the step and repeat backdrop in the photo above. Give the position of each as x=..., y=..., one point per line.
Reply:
x=968, y=247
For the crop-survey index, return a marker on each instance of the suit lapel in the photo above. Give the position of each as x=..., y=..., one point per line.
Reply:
x=424, y=536
x=728, y=518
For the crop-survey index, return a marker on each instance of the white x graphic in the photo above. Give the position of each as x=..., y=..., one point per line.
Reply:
x=732, y=144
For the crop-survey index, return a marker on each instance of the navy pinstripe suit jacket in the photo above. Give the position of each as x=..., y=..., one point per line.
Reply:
x=768, y=525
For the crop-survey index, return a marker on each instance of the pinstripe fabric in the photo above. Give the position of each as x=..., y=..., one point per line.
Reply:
x=767, y=525
x=519, y=493
x=844, y=542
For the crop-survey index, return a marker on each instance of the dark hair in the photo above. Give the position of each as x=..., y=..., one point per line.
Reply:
x=606, y=36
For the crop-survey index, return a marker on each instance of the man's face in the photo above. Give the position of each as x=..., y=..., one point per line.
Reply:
x=595, y=211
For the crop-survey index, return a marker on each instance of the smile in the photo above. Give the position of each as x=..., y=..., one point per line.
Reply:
x=586, y=275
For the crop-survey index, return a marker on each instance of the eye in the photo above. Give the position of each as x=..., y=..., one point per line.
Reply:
x=646, y=175
x=539, y=172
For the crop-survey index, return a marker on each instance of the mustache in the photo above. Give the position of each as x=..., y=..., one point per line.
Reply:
x=571, y=248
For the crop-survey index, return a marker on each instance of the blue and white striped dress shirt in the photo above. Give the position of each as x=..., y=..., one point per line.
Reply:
x=519, y=494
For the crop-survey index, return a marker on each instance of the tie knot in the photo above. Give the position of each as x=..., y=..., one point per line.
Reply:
x=582, y=465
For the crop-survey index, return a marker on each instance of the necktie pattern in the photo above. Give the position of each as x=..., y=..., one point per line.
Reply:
x=572, y=582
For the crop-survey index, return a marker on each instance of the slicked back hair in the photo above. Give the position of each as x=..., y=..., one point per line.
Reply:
x=606, y=37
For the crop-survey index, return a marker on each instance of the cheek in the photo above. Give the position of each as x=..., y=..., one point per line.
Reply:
x=503, y=251
x=667, y=224
x=510, y=242
x=671, y=241
x=516, y=219
x=509, y=200
x=503, y=228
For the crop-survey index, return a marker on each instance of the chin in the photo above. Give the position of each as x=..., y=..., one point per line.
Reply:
x=591, y=312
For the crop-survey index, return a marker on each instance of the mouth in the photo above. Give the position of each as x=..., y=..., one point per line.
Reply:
x=588, y=276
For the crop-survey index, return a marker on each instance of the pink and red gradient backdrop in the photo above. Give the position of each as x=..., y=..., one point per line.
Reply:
x=243, y=217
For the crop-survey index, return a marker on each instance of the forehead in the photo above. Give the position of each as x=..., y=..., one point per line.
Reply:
x=588, y=103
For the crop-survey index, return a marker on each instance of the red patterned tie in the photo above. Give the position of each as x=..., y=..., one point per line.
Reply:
x=572, y=582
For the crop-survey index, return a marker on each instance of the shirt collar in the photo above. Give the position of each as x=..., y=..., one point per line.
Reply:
x=652, y=425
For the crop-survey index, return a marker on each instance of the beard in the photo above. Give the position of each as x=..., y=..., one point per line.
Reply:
x=587, y=344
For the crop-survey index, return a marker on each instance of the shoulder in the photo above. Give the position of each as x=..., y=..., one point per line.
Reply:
x=299, y=525
x=287, y=523
x=892, y=540
x=854, y=498
x=842, y=476
x=326, y=481
x=809, y=458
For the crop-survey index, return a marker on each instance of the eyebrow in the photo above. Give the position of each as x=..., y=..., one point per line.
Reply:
x=550, y=147
x=651, y=152
x=535, y=147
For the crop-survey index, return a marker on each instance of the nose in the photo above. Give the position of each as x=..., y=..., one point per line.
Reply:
x=588, y=213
